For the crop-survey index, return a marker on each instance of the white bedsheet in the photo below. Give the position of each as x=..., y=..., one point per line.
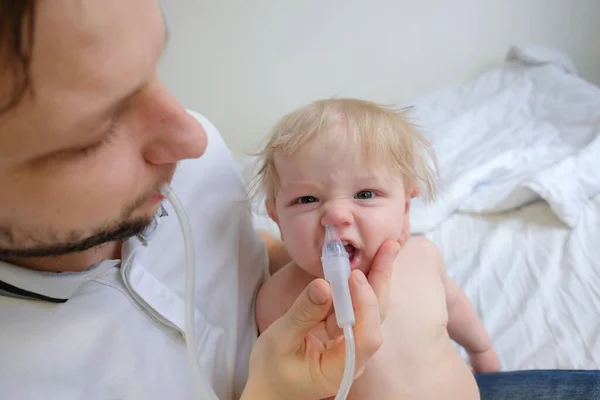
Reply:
x=534, y=282
x=518, y=216
x=518, y=220
x=498, y=137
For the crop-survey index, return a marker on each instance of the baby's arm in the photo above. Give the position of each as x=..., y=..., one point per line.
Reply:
x=278, y=294
x=465, y=327
x=278, y=254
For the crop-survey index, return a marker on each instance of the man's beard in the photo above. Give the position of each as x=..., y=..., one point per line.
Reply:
x=122, y=231
x=123, y=228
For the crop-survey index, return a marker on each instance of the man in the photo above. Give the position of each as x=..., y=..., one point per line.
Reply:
x=92, y=272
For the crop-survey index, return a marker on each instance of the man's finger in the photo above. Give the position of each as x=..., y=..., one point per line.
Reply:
x=311, y=307
x=380, y=274
x=367, y=331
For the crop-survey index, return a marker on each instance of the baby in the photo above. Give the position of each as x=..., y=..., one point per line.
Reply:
x=356, y=165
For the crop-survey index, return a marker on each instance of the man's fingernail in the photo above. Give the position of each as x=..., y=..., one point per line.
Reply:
x=361, y=278
x=316, y=295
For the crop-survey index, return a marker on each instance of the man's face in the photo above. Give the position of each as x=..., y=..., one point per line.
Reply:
x=83, y=158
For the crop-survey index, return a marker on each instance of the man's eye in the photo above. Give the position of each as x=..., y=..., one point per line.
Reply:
x=105, y=140
x=306, y=200
x=365, y=195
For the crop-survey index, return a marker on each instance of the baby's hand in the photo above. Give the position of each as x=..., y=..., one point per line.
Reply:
x=485, y=361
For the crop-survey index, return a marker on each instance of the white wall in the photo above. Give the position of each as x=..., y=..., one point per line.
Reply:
x=243, y=63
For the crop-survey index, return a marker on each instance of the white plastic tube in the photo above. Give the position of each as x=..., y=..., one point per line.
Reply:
x=348, y=377
x=336, y=268
x=202, y=383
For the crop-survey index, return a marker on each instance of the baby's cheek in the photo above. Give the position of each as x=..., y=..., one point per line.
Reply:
x=307, y=258
x=390, y=225
x=300, y=245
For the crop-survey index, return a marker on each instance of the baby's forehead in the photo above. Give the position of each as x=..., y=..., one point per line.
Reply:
x=337, y=153
x=332, y=143
x=333, y=147
x=330, y=169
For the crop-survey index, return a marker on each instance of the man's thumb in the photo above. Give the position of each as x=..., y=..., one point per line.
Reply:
x=311, y=307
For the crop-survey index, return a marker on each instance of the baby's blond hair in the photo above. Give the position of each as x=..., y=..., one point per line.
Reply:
x=383, y=133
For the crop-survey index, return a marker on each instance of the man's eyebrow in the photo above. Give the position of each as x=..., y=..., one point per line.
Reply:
x=121, y=105
x=113, y=110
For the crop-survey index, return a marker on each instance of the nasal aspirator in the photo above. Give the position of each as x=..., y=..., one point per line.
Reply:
x=336, y=268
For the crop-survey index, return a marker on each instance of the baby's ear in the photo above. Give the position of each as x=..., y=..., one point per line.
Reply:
x=411, y=194
x=414, y=192
x=271, y=210
x=405, y=235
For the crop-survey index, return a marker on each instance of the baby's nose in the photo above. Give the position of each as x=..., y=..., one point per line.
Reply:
x=337, y=215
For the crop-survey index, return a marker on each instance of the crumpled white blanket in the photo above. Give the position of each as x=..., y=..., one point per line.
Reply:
x=524, y=131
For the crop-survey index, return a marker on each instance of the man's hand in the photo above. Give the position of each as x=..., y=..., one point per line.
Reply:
x=289, y=363
x=380, y=278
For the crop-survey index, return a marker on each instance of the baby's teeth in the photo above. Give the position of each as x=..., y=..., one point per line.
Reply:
x=345, y=242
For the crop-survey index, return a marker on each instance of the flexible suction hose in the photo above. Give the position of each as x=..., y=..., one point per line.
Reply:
x=348, y=377
x=202, y=384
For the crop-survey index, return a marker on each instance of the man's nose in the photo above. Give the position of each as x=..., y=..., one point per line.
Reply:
x=337, y=214
x=173, y=134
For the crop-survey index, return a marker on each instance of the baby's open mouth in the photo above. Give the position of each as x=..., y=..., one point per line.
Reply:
x=350, y=249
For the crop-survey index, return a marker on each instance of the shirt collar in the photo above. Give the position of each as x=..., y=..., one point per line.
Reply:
x=54, y=287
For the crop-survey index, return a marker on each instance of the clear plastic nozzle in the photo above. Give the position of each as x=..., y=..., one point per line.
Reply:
x=333, y=246
x=336, y=269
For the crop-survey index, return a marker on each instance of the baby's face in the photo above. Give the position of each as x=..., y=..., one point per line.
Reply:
x=318, y=187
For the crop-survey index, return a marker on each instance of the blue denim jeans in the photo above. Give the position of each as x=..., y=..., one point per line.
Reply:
x=540, y=385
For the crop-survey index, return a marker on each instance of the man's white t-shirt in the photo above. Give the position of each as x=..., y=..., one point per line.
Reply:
x=116, y=330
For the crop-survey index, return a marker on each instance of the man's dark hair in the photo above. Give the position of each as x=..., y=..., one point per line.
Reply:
x=16, y=45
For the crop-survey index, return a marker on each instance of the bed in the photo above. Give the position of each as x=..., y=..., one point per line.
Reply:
x=518, y=212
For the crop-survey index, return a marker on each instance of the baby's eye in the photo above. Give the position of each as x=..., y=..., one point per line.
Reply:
x=365, y=195
x=306, y=200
